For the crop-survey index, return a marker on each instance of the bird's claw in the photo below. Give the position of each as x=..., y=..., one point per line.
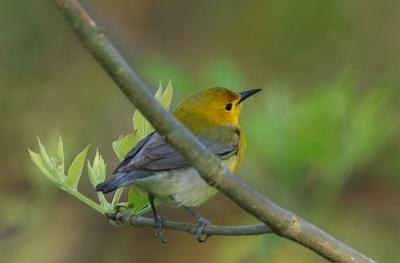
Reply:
x=113, y=216
x=201, y=226
x=158, y=220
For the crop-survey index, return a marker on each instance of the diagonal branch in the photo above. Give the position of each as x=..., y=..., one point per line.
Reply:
x=140, y=221
x=283, y=222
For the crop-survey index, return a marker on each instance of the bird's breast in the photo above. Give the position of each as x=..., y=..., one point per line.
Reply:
x=180, y=187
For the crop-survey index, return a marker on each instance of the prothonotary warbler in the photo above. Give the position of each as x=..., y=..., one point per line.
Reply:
x=154, y=166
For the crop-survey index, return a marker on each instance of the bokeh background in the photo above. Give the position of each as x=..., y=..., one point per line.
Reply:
x=324, y=135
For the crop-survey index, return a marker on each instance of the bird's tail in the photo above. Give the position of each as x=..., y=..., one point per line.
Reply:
x=115, y=182
x=120, y=180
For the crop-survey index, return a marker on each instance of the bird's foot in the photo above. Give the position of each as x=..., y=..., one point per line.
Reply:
x=201, y=226
x=158, y=220
x=114, y=217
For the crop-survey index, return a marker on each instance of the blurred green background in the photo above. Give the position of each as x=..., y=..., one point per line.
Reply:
x=324, y=137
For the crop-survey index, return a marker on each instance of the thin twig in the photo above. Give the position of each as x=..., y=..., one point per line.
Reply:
x=215, y=172
x=141, y=221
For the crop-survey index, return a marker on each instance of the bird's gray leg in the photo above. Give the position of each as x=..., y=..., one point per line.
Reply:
x=201, y=226
x=157, y=221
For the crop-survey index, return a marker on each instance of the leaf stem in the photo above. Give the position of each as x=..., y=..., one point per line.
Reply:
x=117, y=196
x=88, y=201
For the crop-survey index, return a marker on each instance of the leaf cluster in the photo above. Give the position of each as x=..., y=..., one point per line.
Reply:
x=54, y=167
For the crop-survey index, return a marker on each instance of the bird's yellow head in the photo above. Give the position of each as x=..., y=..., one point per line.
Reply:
x=211, y=107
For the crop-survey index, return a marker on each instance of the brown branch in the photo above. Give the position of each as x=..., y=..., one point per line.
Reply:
x=215, y=172
x=141, y=221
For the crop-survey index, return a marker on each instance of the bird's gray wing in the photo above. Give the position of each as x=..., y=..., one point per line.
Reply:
x=155, y=154
x=133, y=152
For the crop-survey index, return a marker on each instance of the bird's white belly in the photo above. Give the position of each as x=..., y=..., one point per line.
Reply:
x=182, y=187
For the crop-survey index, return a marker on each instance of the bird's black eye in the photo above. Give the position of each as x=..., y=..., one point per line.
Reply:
x=228, y=107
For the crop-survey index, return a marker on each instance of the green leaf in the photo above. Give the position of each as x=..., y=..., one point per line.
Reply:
x=60, y=150
x=60, y=153
x=97, y=171
x=166, y=97
x=99, y=167
x=134, y=196
x=141, y=126
x=138, y=202
x=159, y=91
x=60, y=172
x=124, y=144
x=75, y=170
x=38, y=161
x=45, y=157
x=97, y=174
x=53, y=168
x=91, y=174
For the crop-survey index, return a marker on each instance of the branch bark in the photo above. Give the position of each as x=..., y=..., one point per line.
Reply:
x=141, y=221
x=284, y=223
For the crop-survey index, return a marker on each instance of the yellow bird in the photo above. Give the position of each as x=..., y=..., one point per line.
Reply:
x=212, y=115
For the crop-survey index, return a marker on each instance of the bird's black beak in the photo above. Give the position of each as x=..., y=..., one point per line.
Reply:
x=246, y=94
